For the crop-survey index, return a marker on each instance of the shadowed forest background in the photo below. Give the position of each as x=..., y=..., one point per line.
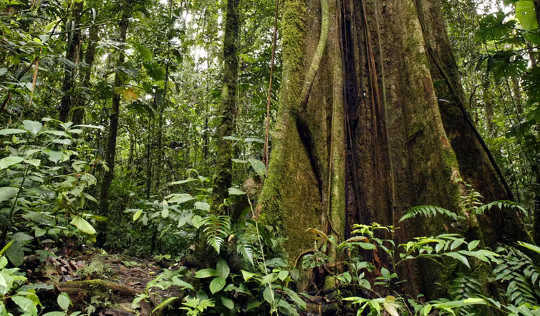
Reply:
x=284, y=157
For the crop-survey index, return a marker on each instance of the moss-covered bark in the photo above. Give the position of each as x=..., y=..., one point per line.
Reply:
x=370, y=141
x=227, y=109
x=476, y=164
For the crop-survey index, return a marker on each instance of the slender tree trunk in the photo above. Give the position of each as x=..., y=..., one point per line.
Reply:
x=149, y=156
x=78, y=112
x=72, y=55
x=227, y=109
x=119, y=80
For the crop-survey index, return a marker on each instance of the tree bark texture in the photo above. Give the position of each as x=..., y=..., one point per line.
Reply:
x=476, y=164
x=227, y=110
x=72, y=56
x=90, y=54
x=119, y=80
x=369, y=142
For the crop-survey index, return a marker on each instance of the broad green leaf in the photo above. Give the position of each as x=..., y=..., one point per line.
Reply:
x=217, y=285
x=63, y=301
x=10, y=161
x=459, y=257
x=32, y=126
x=247, y=275
x=181, y=283
x=227, y=302
x=526, y=15
x=64, y=141
x=55, y=314
x=223, y=268
x=33, y=162
x=203, y=206
x=473, y=244
x=11, y=131
x=236, y=191
x=137, y=215
x=258, y=166
x=15, y=253
x=268, y=295
x=26, y=304
x=180, y=198
x=6, y=193
x=83, y=225
x=54, y=156
x=197, y=221
x=206, y=273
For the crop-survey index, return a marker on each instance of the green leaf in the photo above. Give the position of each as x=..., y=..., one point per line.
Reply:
x=10, y=161
x=268, y=295
x=83, y=225
x=197, y=221
x=15, y=253
x=11, y=131
x=526, y=15
x=458, y=257
x=137, y=215
x=32, y=126
x=258, y=166
x=203, y=206
x=236, y=191
x=26, y=304
x=55, y=314
x=33, y=162
x=227, y=302
x=473, y=244
x=180, y=198
x=181, y=283
x=206, y=273
x=54, y=156
x=222, y=268
x=530, y=246
x=6, y=193
x=247, y=275
x=217, y=285
x=164, y=304
x=63, y=301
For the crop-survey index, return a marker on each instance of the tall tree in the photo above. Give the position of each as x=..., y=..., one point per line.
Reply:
x=227, y=108
x=360, y=137
x=73, y=46
x=119, y=81
x=476, y=163
x=89, y=56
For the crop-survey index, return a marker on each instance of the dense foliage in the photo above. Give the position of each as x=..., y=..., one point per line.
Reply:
x=110, y=111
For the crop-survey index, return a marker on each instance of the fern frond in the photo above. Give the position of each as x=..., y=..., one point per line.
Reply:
x=520, y=275
x=502, y=204
x=428, y=211
x=216, y=229
x=464, y=287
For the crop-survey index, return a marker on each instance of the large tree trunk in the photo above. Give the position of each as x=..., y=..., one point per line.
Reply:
x=369, y=142
x=72, y=55
x=119, y=80
x=476, y=164
x=227, y=109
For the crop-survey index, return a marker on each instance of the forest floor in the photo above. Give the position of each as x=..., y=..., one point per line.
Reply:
x=99, y=283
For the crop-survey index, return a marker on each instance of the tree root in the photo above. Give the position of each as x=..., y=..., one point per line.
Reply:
x=75, y=287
